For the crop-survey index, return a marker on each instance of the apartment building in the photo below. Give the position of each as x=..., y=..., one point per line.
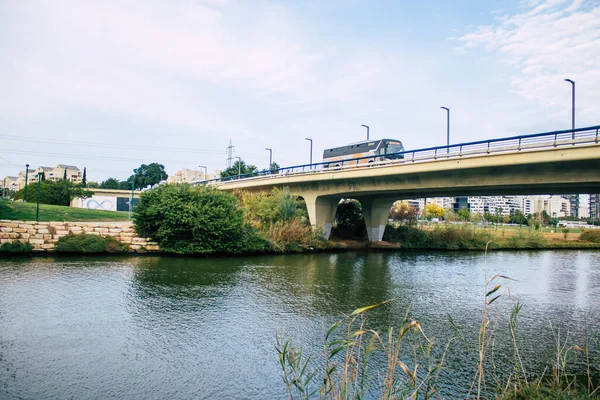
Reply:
x=555, y=206
x=51, y=173
x=595, y=206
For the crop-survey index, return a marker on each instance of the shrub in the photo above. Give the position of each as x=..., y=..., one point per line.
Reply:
x=187, y=219
x=16, y=247
x=293, y=235
x=590, y=235
x=85, y=243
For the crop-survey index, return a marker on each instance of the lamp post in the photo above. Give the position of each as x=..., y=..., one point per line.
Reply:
x=205, y=169
x=131, y=198
x=239, y=166
x=310, y=140
x=270, y=157
x=26, y=179
x=37, y=209
x=572, y=105
x=447, y=129
x=367, y=126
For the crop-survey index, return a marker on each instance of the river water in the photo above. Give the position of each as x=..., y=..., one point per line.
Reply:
x=183, y=328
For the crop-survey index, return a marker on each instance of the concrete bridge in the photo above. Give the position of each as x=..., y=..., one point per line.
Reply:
x=562, y=162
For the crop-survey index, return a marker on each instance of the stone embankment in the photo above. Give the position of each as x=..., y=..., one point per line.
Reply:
x=44, y=235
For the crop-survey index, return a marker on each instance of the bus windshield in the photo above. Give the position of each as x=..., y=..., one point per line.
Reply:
x=394, y=147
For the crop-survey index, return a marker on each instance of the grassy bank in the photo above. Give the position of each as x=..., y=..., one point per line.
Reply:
x=20, y=211
x=473, y=237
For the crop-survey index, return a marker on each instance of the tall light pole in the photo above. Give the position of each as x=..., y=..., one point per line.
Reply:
x=447, y=129
x=367, y=126
x=26, y=179
x=572, y=105
x=205, y=169
x=310, y=140
x=239, y=166
x=270, y=157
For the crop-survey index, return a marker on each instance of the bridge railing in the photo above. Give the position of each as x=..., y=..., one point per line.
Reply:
x=514, y=144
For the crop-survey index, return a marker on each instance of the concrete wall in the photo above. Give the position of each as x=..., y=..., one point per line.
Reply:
x=44, y=235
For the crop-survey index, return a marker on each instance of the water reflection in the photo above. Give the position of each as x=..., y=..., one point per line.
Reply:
x=160, y=327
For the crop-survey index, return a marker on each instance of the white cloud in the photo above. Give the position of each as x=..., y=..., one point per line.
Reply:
x=545, y=44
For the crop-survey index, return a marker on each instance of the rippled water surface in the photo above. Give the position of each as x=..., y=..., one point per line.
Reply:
x=182, y=328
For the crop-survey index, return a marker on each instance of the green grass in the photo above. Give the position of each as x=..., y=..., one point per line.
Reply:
x=20, y=211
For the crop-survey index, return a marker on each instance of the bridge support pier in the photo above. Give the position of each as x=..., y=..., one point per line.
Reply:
x=321, y=212
x=376, y=212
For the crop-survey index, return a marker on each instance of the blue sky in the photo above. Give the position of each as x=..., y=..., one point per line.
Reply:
x=114, y=84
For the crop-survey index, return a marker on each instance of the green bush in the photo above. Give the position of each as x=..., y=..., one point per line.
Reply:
x=16, y=247
x=85, y=243
x=349, y=221
x=590, y=235
x=58, y=193
x=187, y=219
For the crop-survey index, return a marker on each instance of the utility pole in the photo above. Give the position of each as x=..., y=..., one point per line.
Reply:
x=37, y=210
x=239, y=166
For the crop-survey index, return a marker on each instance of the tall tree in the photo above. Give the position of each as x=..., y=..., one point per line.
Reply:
x=238, y=168
x=148, y=175
x=84, y=178
x=65, y=175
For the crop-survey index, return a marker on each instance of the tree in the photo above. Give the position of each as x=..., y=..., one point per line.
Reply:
x=433, y=211
x=58, y=193
x=110, y=183
x=84, y=178
x=403, y=212
x=92, y=185
x=65, y=175
x=275, y=168
x=349, y=220
x=238, y=167
x=148, y=175
x=187, y=219
x=464, y=214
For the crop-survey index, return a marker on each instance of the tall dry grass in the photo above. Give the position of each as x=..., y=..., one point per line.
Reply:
x=413, y=363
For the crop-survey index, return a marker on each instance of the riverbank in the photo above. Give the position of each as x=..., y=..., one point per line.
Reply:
x=43, y=237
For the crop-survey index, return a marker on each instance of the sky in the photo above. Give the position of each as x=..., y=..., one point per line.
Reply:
x=115, y=84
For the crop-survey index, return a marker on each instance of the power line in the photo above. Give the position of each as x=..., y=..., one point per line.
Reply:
x=107, y=145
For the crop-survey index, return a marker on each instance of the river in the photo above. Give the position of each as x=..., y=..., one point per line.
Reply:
x=181, y=328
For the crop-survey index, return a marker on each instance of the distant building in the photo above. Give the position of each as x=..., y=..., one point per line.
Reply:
x=595, y=206
x=555, y=206
x=573, y=204
x=51, y=173
x=187, y=175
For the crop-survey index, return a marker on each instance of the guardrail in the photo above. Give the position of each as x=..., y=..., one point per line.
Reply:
x=514, y=144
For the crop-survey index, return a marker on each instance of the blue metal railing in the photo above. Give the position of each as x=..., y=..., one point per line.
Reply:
x=570, y=137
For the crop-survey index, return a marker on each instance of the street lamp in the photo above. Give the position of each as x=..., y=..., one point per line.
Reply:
x=572, y=105
x=26, y=179
x=37, y=210
x=447, y=129
x=367, y=126
x=205, y=169
x=239, y=166
x=310, y=140
x=270, y=157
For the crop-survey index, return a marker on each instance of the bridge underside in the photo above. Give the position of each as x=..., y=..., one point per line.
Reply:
x=558, y=171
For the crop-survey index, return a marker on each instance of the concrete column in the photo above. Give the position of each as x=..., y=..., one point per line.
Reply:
x=375, y=212
x=321, y=212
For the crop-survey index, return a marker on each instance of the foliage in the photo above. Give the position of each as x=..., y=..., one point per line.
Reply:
x=433, y=210
x=148, y=175
x=565, y=232
x=405, y=213
x=262, y=209
x=16, y=247
x=293, y=235
x=84, y=178
x=58, y=193
x=110, y=183
x=463, y=214
x=274, y=168
x=349, y=221
x=20, y=211
x=85, y=243
x=92, y=185
x=590, y=235
x=238, y=168
x=186, y=219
